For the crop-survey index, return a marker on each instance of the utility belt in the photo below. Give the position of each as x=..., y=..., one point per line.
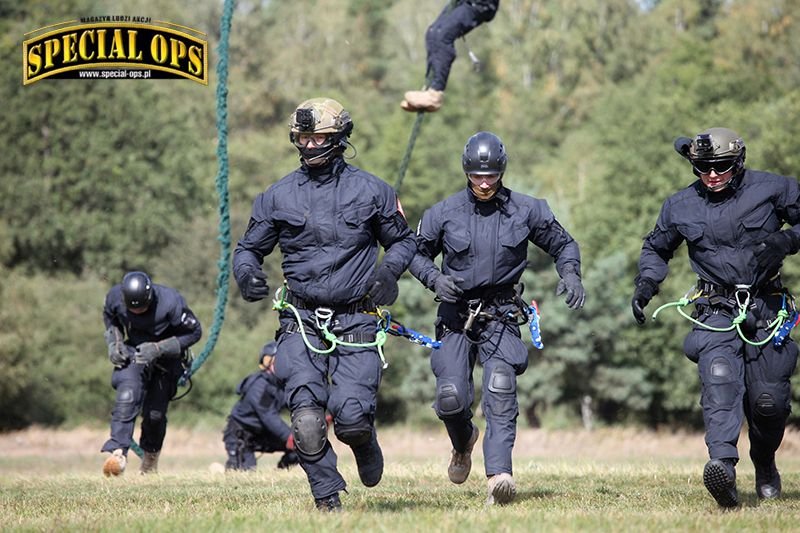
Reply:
x=731, y=298
x=728, y=297
x=357, y=337
x=709, y=288
x=481, y=306
x=338, y=309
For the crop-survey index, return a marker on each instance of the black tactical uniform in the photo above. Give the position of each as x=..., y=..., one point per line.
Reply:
x=255, y=423
x=453, y=22
x=725, y=232
x=484, y=244
x=147, y=387
x=328, y=220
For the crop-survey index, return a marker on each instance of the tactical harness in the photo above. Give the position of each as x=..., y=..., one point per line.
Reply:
x=738, y=301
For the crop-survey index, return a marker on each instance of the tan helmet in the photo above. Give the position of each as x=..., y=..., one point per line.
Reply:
x=717, y=143
x=320, y=115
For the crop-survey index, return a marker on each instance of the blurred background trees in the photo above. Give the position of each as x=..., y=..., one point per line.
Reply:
x=99, y=177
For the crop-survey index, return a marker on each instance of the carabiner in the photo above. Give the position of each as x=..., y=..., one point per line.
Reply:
x=325, y=314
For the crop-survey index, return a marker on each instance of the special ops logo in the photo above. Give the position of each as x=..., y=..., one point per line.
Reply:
x=134, y=46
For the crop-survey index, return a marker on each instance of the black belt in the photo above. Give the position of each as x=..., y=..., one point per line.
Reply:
x=357, y=337
x=728, y=291
x=346, y=309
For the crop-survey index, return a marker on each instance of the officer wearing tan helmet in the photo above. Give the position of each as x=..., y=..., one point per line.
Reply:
x=328, y=218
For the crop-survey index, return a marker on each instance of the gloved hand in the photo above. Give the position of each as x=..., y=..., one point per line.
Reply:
x=382, y=286
x=117, y=352
x=645, y=290
x=774, y=249
x=447, y=289
x=571, y=284
x=146, y=353
x=254, y=286
x=290, y=442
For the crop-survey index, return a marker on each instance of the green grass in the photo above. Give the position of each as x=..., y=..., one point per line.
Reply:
x=634, y=493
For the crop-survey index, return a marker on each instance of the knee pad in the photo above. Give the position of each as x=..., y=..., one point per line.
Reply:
x=768, y=405
x=310, y=432
x=155, y=416
x=502, y=381
x=354, y=434
x=721, y=389
x=126, y=406
x=448, y=399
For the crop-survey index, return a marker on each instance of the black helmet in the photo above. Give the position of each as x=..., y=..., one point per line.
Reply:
x=137, y=290
x=484, y=153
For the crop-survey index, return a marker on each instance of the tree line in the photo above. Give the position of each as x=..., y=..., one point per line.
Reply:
x=100, y=177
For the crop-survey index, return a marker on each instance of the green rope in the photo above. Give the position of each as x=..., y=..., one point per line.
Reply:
x=736, y=321
x=222, y=191
x=224, y=210
x=280, y=303
x=409, y=148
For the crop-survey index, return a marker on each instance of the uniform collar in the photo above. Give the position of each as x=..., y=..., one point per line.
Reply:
x=324, y=173
x=499, y=200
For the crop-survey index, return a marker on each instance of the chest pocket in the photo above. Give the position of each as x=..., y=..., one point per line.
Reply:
x=357, y=228
x=692, y=232
x=514, y=236
x=291, y=226
x=759, y=223
x=456, y=249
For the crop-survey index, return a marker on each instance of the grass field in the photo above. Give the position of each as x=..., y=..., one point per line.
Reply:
x=607, y=480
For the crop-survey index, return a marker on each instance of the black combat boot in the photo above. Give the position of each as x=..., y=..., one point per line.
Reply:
x=329, y=504
x=768, y=481
x=369, y=459
x=719, y=477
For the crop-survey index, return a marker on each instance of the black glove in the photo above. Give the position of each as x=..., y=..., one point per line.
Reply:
x=382, y=286
x=254, y=286
x=146, y=353
x=117, y=352
x=770, y=254
x=645, y=290
x=447, y=289
x=571, y=284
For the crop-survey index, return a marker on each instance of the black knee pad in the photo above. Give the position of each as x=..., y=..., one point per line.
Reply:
x=502, y=381
x=126, y=407
x=354, y=434
x=310, y=432
x=448, y=399
x=721, y=389
x=155, y=416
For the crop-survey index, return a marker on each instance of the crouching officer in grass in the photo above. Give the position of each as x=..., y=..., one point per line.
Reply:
x=149, y=329
x=328, y=218
x=255, y=423
x=483, y=233
x=732, y=220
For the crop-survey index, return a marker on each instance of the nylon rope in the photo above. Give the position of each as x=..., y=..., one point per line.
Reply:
x=221, y=184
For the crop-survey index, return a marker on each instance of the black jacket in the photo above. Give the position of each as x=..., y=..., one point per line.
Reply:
x=328, y=225
x=486, y=243
x=722, y=230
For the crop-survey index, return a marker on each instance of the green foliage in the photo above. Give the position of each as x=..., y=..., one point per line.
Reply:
x=98, y=177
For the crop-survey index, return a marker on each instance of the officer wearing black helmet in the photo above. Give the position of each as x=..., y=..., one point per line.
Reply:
x=732, y=219
x=483, y=233
x=255, y=423
x=149, y=328
x=458, y=18
x=328, y=219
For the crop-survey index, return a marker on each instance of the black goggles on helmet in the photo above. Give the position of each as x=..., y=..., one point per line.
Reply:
x=720, y=166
